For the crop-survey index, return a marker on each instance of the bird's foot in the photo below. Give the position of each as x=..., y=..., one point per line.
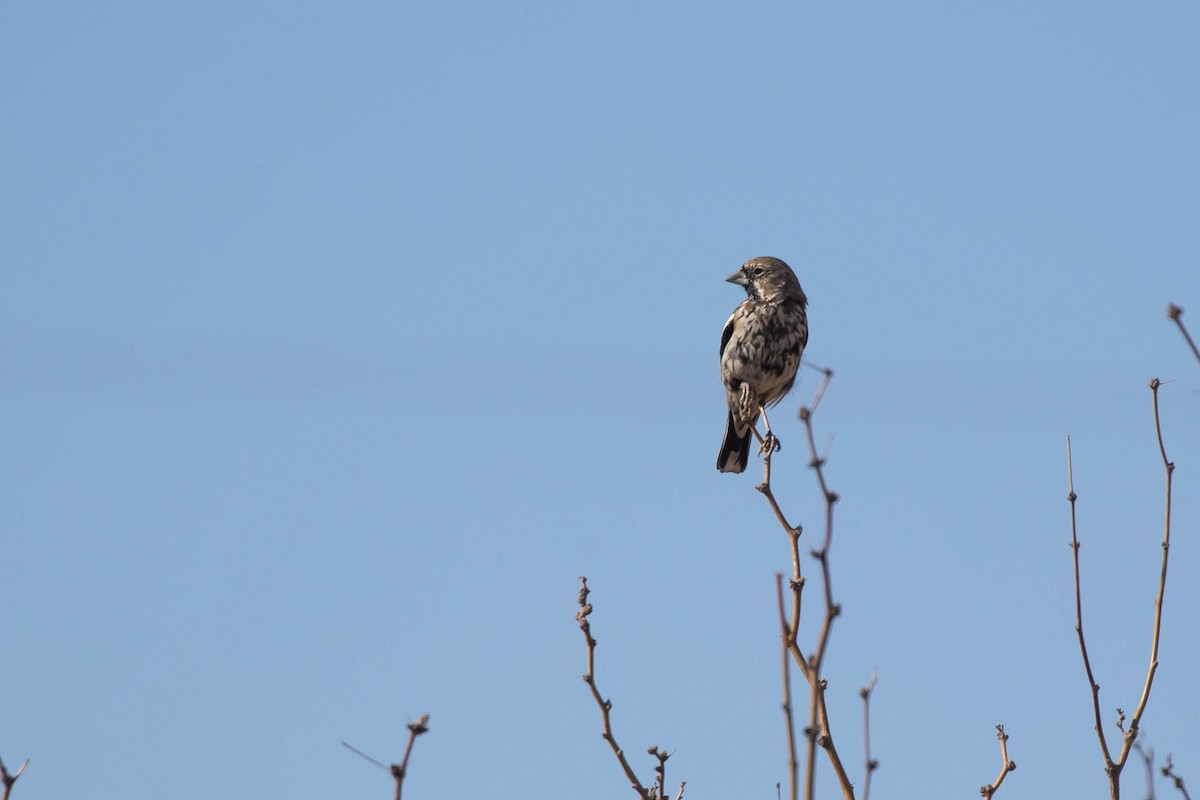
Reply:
x=770, y=444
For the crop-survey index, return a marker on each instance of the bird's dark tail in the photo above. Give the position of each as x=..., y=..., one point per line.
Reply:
x=735, y=450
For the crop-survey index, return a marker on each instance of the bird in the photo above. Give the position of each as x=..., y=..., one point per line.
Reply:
x=761, y=348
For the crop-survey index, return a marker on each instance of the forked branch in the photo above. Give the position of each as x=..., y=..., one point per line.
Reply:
x=399, y=770
x=1113, y=767
x=10, y=778
x=1006, y=766
x=817, y=732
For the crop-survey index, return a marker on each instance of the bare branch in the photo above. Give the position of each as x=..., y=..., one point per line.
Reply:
x=1087, y=664
x=660, y=780
x=818, y=714
x=827, y=373
x=415, y=729
x=1169, y=469
x=1006, y=766
x=871, y=764
x=581, y=616
x=1148, y=761
x=374, y=761
x=10, y=779
x=1113, y=767
x=1175, y=313
x=817, y=732
x=787, y=639
x=1168, y=771
x=398, y=771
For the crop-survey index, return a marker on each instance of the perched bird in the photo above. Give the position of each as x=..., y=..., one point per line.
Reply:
x=760, y=353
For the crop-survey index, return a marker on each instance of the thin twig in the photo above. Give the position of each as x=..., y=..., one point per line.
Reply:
x=399, y=770
x=1006, y=766
x=1168, y=771
x=581, y=616
x=415, y=729
x=659, y=792
x=10, y=779
x=786, y=636
x=1087, y=664
x=1131, y=732
x=1148, y=761
x=871, y=764
x=797, y=586
x=1169, y=468
x=826, y=373
x=765, y=488
x=1175, y=313
x=374, y=761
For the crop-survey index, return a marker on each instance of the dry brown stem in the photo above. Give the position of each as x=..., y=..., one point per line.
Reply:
x=398, y=771
x=786, y=639
x=1006, y=766
x=1168, y=771
x=1087, y=664
x=817, y=732
x=1175, y=314
x=10, y=779
x=581, y=616
x=1113, y=767
x=871, y=764
x=1148, y=762
x=660, y=772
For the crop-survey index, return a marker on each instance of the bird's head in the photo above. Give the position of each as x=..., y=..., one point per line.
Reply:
x=770, y=279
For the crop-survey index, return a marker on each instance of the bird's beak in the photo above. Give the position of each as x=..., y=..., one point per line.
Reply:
x=739, y=278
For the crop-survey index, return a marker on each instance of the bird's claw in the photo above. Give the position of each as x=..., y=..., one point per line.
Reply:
x=770, y=444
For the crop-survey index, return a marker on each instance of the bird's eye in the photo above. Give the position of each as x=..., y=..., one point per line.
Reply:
x=758, y=271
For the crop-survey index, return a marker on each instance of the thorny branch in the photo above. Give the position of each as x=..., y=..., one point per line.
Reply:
x=1113, y=767
x=398, y=771
x=1175, y=314
x=10, y=779
x=1006, y=766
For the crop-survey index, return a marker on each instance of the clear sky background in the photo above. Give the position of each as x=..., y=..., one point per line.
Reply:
x=339, y=339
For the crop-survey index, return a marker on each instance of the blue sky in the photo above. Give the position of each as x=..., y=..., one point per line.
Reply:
x=340, y=339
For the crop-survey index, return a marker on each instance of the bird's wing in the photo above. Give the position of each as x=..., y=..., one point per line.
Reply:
x=727, y=334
